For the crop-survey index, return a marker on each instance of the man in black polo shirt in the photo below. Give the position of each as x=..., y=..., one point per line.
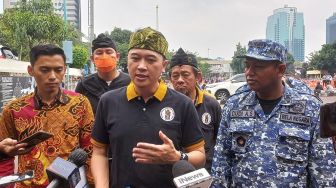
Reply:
x=185, y=75
x=148, y=126
x=105, y=57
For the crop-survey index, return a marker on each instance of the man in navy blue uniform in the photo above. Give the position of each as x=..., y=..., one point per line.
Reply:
x=269, y=136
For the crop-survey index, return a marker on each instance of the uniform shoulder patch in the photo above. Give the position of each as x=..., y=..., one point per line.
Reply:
x=298, y=107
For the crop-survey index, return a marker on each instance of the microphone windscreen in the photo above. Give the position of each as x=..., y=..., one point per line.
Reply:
x=78, y=157
x=182, y=167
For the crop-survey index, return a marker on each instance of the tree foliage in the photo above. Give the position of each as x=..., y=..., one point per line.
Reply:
x=237, y=64
x=290, y=69
x=31, y=23
x=304, y=70
x=325, y=59
x=80, y=56
x=205, y=68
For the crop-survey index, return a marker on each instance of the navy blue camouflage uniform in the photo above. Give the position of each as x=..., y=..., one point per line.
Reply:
x=281, y=149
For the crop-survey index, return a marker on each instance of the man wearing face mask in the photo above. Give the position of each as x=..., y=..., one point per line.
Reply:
x=105, y=57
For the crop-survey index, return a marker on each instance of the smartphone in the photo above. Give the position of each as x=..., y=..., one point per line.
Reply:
x=36, y=138
x=16, y=178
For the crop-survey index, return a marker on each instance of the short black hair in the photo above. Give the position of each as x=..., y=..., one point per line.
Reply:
x=45, y=49
x=103, y=41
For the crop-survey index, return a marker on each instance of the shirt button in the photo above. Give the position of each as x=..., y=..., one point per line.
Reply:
x=144, y=109
x=139, y=98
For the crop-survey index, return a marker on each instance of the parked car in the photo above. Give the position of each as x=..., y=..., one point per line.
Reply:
x=223, y=90
x=7, y=53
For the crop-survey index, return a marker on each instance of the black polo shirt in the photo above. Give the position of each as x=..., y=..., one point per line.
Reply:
x=123, y=119
x=93, y=87
x=209, y=113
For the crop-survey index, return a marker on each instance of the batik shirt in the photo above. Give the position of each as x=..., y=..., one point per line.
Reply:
x=283, y=149
x=69, y=118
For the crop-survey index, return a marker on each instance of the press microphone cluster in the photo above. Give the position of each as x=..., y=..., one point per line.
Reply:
x=185, y=175
x=66, y=173
x=11, y=179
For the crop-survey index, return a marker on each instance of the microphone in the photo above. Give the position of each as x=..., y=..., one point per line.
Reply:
x=19, y=177
x=66, y=174
x=185, y=175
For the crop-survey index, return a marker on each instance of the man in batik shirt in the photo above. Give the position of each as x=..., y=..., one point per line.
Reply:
x=65, y=114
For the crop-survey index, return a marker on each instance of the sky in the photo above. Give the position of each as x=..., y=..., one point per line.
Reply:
x=199, y=25
x=1, y=7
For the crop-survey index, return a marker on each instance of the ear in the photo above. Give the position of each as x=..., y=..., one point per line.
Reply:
x=118, y=56
x=30, y=70
x=282, y=69
x=91, y=57
x=165, y=64
x=127, y=63
x=199, y=77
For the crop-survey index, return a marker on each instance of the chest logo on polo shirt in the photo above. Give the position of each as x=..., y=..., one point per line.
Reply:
x=206, y=118
x=167, y=114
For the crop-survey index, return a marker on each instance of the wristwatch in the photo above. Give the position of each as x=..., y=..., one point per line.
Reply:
x=184, y=156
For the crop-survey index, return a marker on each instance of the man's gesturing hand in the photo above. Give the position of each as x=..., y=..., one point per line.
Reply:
x=147, y=153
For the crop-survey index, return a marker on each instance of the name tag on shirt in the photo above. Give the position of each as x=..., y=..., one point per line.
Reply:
x=292, y=118
x=242, y=113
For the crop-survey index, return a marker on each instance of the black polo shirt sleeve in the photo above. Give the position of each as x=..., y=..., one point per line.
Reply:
x=192, y=134
x=79, y=88
x=99, y=136
x=218, y=118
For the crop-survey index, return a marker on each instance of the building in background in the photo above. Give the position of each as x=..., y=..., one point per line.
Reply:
x=9, y=4
x=73, y=10
x=331, y=29
x=286, y=26
x=219, y=70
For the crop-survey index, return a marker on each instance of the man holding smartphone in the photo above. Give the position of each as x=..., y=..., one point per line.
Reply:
x=10, y=146
x=65, y=114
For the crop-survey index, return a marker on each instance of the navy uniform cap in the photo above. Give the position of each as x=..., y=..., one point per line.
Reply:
x=266, y=50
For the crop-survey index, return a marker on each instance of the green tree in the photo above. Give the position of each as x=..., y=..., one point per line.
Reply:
x=290, y=69
x=121, y=38
x=237, y=64
x=31, y=23
x=304, y=70
x=325, y=59
x=205, y=68
x=80, y=57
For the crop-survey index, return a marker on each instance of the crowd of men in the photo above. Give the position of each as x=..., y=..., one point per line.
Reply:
x=135, y=128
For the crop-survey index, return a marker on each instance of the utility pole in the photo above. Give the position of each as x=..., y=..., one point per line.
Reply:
x=91, y=29
x=157, y=17
x=65, y=12
x=65, y=15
